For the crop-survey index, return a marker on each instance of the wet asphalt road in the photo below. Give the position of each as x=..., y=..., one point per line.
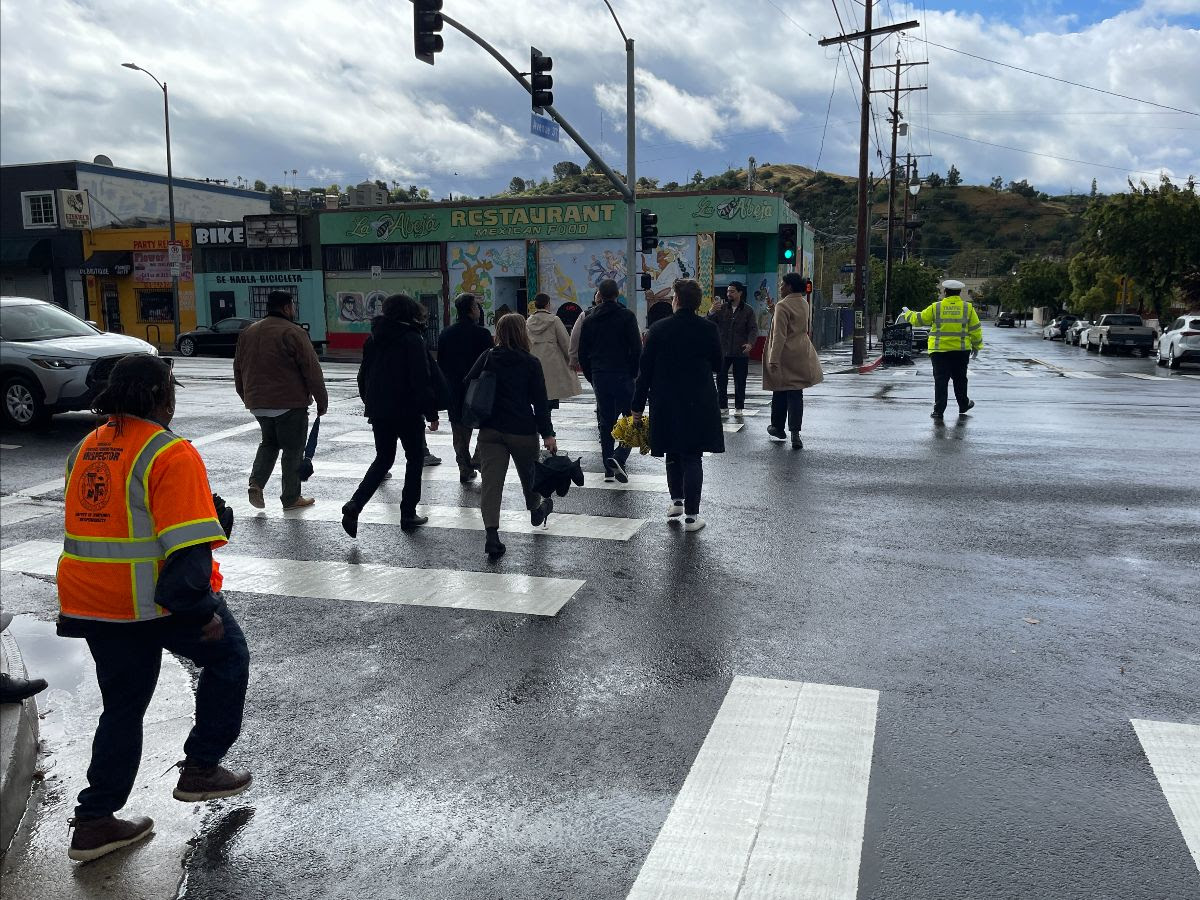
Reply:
x=416, y=752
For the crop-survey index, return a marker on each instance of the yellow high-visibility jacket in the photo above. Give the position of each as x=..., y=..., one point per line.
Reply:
x=953, y=325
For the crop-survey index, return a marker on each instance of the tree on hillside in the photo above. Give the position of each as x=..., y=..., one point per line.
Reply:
x=697, y=178
x=566, y=169
x=1151, y=235
x=591, y=168
x=1093, y=284
x=953, y=177
x=913, y=285
x=517, y=185
x=259, y=184
x=381, y=184
x=996, y=184
x=934, y=180
x=1023, y=188
x=1094, y=192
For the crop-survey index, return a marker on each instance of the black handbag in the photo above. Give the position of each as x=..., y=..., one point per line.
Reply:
x=480, y=397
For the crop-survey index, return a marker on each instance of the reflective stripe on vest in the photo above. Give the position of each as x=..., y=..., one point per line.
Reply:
x=142, y=551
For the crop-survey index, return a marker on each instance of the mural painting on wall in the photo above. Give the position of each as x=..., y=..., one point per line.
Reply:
x=706, y=244
x=763, y=288
x=674, y=258
x=570, y=271
x=474, y=267
x=351, y=303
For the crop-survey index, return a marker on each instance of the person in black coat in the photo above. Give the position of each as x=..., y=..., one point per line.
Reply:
x=398, y=389
x=678, y=363
x=520, y=412
x=610, y=345
x=459, y=346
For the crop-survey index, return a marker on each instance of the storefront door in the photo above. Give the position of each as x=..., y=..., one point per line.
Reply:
x=221, y=305
x=111, y=303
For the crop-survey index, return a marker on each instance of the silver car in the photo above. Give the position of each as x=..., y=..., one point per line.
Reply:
x=52, y=361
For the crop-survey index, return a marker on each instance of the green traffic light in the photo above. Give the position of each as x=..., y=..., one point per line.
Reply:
x=789, y=253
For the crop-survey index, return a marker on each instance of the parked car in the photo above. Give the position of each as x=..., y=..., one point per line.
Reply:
x=1120, y=331
x=1057, y=328
x=920, y=334
x=1006, y=320
x=52, y=361
x=1076, y=329
x=1180, y=343
x=220, y=338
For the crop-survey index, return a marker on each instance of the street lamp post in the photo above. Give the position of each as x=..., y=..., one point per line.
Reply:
x=631, y=251
x=170, y=197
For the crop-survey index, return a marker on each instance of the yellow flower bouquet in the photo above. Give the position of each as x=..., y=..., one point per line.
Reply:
x=632, y=435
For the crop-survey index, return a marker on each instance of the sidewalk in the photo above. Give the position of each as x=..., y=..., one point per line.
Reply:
x=18, y=746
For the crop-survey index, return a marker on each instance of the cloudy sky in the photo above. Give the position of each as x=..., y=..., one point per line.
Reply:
x=331, y=89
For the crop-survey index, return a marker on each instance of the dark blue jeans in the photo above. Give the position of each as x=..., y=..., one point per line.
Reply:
x=127, y=670
x=614, y=397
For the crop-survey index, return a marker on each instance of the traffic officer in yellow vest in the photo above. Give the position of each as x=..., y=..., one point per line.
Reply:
x=137, y=577
x=955, y=338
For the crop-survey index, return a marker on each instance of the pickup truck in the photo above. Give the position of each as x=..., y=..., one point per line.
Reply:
x=1120, y=332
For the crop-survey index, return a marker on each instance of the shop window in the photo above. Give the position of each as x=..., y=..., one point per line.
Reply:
x=261, y=259
x=260, y=292
x=394, y=257
x=38, y=209
x=154, y=306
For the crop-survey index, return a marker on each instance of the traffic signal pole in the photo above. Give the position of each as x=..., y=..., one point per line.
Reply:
x=625, y=191
x=632, y=256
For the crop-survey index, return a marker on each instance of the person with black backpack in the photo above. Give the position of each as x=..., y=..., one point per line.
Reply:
x=398, y=390
x=510, y=376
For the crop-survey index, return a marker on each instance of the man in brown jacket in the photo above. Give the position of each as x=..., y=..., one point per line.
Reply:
x=790, y=362
x=277, y=374
x=738, y=327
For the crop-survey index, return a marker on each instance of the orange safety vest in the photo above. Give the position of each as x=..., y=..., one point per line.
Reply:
x=135, y=494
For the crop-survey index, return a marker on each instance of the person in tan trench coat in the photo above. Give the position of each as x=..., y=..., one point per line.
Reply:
x=790, y=362
x=551, y=345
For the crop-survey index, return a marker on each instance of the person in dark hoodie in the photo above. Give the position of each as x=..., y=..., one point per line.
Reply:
x=520, y=412
x=397, y=388
x=610, y=346
x=458, y=348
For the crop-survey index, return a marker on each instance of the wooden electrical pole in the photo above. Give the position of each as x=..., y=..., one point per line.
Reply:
x=858, y=353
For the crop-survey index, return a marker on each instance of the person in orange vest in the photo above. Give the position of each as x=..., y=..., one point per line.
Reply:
x=137, y=577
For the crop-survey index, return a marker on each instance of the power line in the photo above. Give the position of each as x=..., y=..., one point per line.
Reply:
x=1063, y=80
x=793, y=21
x=828, y=108
x=1082, y=162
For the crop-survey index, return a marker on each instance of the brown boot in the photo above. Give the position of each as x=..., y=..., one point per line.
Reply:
x=198, y=783
x=93, y=838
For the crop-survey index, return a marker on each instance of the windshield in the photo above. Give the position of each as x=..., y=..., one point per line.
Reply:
x=40, y=322
x=1123, y=320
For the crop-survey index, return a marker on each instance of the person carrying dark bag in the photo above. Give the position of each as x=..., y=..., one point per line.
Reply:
x=399, y=393
x=459, y=346
x=519, y=411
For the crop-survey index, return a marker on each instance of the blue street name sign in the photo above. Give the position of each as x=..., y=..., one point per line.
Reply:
x=543, y=127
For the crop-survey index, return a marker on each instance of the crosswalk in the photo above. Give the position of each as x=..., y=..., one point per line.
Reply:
x=1036, y=373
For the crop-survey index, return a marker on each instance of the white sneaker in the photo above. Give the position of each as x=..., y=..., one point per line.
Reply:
x=693, y=523
x=675, y=510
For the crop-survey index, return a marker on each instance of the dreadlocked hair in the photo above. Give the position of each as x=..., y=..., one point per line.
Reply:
x=133, y=392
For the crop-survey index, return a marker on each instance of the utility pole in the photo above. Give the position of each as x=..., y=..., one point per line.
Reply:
x=863, y=233
x=895, y=120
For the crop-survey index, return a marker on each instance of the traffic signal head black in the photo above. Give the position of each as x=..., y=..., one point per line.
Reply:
x=542, y=84
x=649, y=230
x=427, y=22
x=787, y=245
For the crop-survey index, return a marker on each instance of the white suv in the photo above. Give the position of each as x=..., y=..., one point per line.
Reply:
x=52, y=361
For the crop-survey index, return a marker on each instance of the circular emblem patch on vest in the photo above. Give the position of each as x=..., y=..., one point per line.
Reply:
x=95, y=487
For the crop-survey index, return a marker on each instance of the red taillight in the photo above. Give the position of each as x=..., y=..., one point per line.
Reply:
x=1188, y=333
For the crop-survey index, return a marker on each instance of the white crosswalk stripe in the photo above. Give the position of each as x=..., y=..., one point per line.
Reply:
x=363, y=583
x=573, y=525
x=775, y=802
x=592, y=480
x=1174, y=753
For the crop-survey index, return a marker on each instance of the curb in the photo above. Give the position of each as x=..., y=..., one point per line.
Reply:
x=18, y=748
x=864, y=369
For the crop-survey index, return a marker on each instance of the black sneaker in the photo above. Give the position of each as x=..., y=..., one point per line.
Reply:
x=466, y=476
x=609, y=474
x=431, y=460
x=612, y=465
x=776, y=433
x=199, y=783
x=964, y=410
x=937, y=417
x=797, y=444
x=18, y=690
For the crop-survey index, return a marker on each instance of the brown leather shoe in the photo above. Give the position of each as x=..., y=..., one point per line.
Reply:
x=199, y=783
x=255, y=495
x=300, y=503
x=94, y=838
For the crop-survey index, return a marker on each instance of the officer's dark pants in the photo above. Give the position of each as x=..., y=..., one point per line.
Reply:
x=741, y=369
x=947, y=365
x=127, y=670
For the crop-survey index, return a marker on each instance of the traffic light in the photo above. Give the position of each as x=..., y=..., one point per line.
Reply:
x=427, y=22
x=649, y=230
x=542, y=84
x=787, y=245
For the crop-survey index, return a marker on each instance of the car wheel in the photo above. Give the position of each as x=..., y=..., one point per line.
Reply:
x=1100, y=347
x=1158, y=359
x=23, y=404
x=1172, y=362
x=187, y=347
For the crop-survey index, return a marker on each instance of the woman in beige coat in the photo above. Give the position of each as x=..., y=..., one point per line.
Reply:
x=790, y=362
x=551, y=345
